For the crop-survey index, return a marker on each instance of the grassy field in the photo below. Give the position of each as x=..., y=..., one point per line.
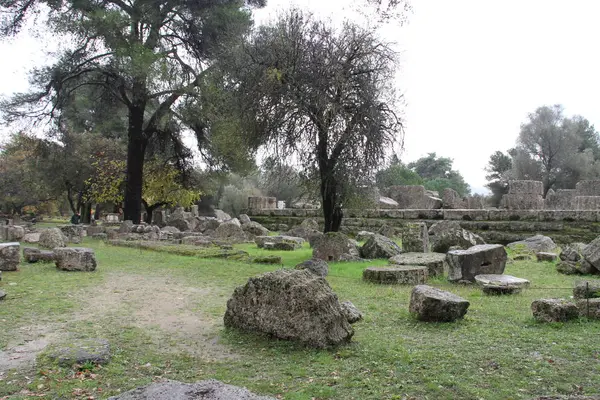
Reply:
x=162, y=314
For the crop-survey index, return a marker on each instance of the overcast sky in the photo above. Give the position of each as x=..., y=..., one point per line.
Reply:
x=470, y=71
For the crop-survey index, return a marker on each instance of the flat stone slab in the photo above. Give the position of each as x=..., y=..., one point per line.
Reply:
x=435, y=305
x=2, y=295
x=554, y=310
x=435, y=262
x=543, y=256
x=464, y=265
x=33, y=255
x=402, y=274
x=295, y=241
x=9, y=256
x=204, y=390
x=498, y=290
x=82, y=351
x=501, y=280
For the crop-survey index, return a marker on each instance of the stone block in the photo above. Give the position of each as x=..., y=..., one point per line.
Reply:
x=435, y=262
x=415, y=238
x=452, y=200
x=523, y=201
x=402, y=275
x=434, y=305
x=33, y=255
x=589, y=289
x=588, y=188
x=554, y=310
x=10, y=256
x=75, y=259
x=545, y=256
x=587, y=203
x=464, y=265
x=466, y=215
x=423, y=214
x=589, y=308
x=562, y=199
x=526, y=187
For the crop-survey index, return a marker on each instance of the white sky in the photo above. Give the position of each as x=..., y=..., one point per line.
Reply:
x=471, y=70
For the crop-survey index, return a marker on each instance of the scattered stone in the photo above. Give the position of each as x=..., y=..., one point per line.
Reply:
x=522, y=257
x=255, y=229
x=352, y=313
x=51, y=238
x=33, y=255
x=282, y=246
x=311, y=224
x=572, y=252
x=75, y=259
x=387, y=231
x=435, y=262
x=591, y=253
x=477, y=260
x=267, y=260
x=435, y=305
x=9, y=256
x=379, y=246
x=316, y=266
x=33, y=237
x=415, y=238
x=535, y=244
x=170, y=229
x=387, y=203
x=543, y=256
x=244, y=219
x=292, y=305
x=498, y=290
x=181, y=224
x=230, y=230
x=554, y=310
x=501, y=280
x=295, y=241
x=363, y=236
x=402, y=274
x=100, y=236
x=314, y=238
x=125, y=227
x=575, y=268
x=204, y=390
x=96, y=351
x=447, y=236
x=589, y=308
x=2, y=295
x=333, y=245
x=587, y=289
x=11, y=233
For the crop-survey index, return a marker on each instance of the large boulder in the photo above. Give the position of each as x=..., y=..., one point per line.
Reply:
x=230, y=230
x=310, y=223
x=379, y=246
x=443, y=240
x=587, y=289
x=75, y=258
x=535, y=244
x=572, y=252
x=9, y=256
x=591, y=253
x=255, y=229
x=333, y=246
x=554, y=310
x=316, y=266
x=415, y=238
x=33, y=237
x=181, y=224
x=51, y=238
x=292, y=305
x=435, y=262
x=434, y=305
x=363, y=236
x=14, y=233
x=387, y=203
x=244, y=219
x=464, y=265
x=204, y=390
x=33, y=255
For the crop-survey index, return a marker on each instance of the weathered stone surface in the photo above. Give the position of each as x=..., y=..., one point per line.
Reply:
x=572, y=252
x=379, y=246
x=2, y=295
x=255, y=229
x=316, y=266
x=292, y=305
x=11, y=233
x=204, y=390
x=591, y=253
x=388, y=231
x=537, y=243
x=363, y=236
x=310, y=223
x=352, y=313
x=497, y=290
x=9, y=256
x=126, y=226
x=181, y=224
x=96, y=351
x=415, y=238
x=446, y=235
x=170, y=229
x=33, y=255
x=501, y=280
x=282, y=246
x=267, y=260
x=452, y=200
x=569, y=268
x=589, y=289
x=589, y=308
x=244, y=219
x=295, y=241
x=587, y=202
x=434, y=305
x=333, y=245
x=230, y=230
x=51, y=238
x=525, y=187
x=588, y=188
x=33, y=237
x=387, y=203
x=554, y=310
x=477, y=260
x=522, y=257
x=402, y=274
x=75, y=258
x=543, y=256
x=435, y=262
x=303, y=232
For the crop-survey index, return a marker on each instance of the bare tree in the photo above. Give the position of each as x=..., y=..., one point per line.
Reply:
x=326, y=96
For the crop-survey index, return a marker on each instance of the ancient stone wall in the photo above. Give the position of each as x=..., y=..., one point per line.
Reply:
x=262, y=203
x=524, y=195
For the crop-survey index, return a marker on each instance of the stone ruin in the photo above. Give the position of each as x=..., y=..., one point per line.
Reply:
x=262, y=203
x=524, y=195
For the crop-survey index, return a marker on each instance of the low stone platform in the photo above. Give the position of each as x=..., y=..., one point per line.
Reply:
x=505, y=280
x=402, y=274
x=435, y=262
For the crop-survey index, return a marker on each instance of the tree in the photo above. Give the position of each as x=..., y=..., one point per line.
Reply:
x=150, y=58
x=397, y=174
x=557, y=150
x=498, y=171
x=437, y=174
x=281, y=181
x=325, y=95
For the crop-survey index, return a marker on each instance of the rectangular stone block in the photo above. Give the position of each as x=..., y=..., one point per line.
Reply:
x=588, y=188
x=396, y=214
x=587, y=202
x=424, y=214
x=523, y=202
x=415, y=238
x=526, y=187
x=562, y=199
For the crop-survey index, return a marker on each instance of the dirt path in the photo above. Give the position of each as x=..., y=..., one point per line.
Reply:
x=167, y=308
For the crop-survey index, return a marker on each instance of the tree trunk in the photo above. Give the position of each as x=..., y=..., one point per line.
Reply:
x=136, y=149
x=86, y=213
x=332, y=212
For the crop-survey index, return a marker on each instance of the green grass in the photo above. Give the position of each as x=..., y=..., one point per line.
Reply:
x=497, y=352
